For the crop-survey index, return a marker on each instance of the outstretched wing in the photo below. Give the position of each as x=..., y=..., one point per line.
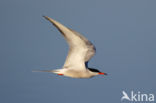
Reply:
x=80, y=49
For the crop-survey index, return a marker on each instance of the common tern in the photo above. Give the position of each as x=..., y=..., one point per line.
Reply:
x=80, y=52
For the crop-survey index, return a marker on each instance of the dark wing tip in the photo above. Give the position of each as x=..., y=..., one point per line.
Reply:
x=52, y=21
x=46, y=17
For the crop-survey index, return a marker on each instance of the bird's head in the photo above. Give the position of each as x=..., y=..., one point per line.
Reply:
x=97, y=71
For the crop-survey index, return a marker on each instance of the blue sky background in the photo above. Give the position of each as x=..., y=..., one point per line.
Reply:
x=123, y=31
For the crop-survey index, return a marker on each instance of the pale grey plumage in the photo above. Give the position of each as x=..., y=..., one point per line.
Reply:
x=80, y=52
x=80, y=49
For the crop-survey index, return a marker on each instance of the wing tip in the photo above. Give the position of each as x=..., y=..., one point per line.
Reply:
x=46, y=17
x=50, y=19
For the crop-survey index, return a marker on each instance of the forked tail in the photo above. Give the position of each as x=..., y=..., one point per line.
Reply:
x=52, y=71
x=43, y=71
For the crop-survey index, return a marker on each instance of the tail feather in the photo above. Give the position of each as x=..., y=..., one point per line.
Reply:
x=52, y=71
x=43, y=71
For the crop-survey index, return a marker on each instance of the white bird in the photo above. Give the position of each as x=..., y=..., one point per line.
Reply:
x=80, y=52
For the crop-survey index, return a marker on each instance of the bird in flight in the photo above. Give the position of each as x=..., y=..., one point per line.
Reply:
x=80, y=52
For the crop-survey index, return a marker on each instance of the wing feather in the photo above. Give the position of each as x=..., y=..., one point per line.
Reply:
x=80, y=49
